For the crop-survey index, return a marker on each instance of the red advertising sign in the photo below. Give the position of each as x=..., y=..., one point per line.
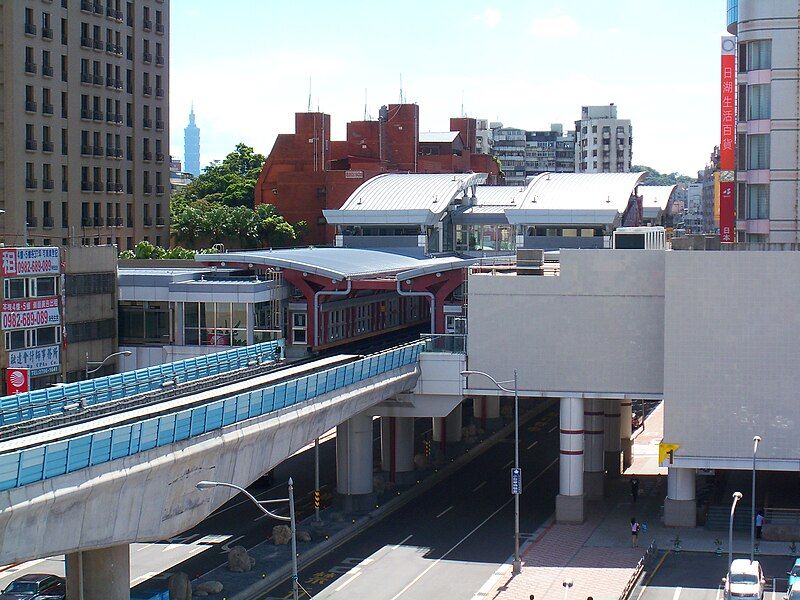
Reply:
x=17, y=380
x=727, y=218
x=727, y=145
x=29, y=261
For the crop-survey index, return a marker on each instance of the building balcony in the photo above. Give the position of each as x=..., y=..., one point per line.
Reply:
x=47, y=109
x=147, y=155
x=159, y=125
x=87, y=6
x=86, y=186
x=147, y=123
x=32, y=221
x=30, y=29
x=159, y=157
x=47, y=184
x=118, y=222
x=109, y=152
x=118, y=84
x=97, y=115
x=147, y=90
x=30, y=106
x=30, y=145
x=160, y=60
x=147, y=188
x=97, y=79
x=160, y=190
x=159, y=221
x=97, y=186
x=86, y=42
x=47, y=222
x=110, y=188
x=30, y=68
x=97, y=44
x=117, y=152
x=159, y=92
x=98, y=7
x=147, y=222
x=159, y=28
x=47, y=146
x=86, y=78
x=86, y=114
x=110, y=222
x=147, y=57
x=87, y=222
x=147, y=24
x=47, y=33
x=97, y=151
x=118, y=190
x=31, y=184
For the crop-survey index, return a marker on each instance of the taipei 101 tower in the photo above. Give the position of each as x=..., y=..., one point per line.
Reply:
x=191, y=146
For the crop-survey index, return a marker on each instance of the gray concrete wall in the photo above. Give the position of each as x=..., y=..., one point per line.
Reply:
x=598, y=327
x=151, y=496
x=731, y=367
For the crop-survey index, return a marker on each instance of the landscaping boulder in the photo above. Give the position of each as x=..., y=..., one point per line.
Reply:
x=303, y=536
x=179, y=586
x=281, y=534
x=208, y=588
x=239, y=561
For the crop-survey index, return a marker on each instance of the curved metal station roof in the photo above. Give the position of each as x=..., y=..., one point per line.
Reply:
x=655, y=198
x=340, y=263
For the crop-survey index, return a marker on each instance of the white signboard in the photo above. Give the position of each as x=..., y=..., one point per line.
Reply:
x=40, y=361
x=24, y=314
x=18, y=262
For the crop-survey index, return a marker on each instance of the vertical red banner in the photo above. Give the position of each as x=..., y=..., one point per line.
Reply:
x=727, y=146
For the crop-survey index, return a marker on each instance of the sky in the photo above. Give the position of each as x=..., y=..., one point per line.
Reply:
x=246, y=65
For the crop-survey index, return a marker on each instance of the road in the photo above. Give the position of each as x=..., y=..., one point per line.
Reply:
x=448, y=542
x=697, y=576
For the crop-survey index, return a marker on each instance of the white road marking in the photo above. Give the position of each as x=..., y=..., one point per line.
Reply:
x=719, y=592
x=532, y=445
x=396, y=546
x=144, y=577
x=677, y=593
x=479, y=486
x=508, y=464
x=445, y=511
x=552, y=429
x=348, y=582
x=146, y=546
x=227, y=546
x=462, y=540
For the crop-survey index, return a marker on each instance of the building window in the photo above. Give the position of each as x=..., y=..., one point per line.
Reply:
x=15, y=288
x=758, y=201
x=758, y=99
x=143, y=322
x=215, y=323
x=758, y=151
x=759, y=55
x=299, y=328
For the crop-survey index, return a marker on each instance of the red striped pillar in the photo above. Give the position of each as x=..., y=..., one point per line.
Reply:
x=570, y=500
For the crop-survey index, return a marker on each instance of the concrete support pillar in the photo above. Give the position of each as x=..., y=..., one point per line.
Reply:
x=486, y=410
x=103, y=574
x=354, y=462
x=680, y=506
x=447, y=430
x=570, y=500
x=594, y=472
x=611, y=437
x=625, y=432
x=397, y=449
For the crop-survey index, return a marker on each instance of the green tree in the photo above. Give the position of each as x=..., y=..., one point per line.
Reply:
x=656, y=178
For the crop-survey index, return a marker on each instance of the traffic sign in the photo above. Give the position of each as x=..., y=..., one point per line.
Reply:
x=516, y=481
x=666, y=451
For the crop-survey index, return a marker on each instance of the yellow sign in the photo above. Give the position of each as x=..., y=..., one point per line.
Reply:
x=666, y=451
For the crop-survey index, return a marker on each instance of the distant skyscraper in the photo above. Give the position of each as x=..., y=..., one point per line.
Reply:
x=191, y=146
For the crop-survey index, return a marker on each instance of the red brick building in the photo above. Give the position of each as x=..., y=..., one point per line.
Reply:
x=307, y=172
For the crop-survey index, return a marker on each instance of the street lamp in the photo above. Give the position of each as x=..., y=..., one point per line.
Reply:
x=517, y=565
x=756, y=440
x=736, y=497
x=567, y=585
x=99, y=363
x=205, y=485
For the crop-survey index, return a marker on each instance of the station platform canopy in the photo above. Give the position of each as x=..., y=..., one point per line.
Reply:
x=655, y=199
x=339, y=264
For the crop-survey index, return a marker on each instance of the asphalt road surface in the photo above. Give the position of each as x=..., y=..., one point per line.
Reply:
x=697, y=576
x=448, y=542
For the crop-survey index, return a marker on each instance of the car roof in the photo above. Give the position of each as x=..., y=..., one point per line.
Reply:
x=797, y=561
x=743, y=565
x=35, y=577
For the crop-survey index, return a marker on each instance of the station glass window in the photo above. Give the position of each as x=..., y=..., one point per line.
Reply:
x=215, y=323
x=143, y=322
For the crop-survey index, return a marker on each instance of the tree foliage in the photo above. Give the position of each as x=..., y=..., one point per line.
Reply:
x=147, y=251
x=656, y=178
x=217, y=207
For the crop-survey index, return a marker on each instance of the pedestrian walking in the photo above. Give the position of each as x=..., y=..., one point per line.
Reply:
x=634, y=533
x=635, y=489
x=759, y=523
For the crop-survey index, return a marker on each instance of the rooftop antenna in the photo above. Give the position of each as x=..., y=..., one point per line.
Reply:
x=365, y=104
x=462, y=104
x=402, y=99
x=309, y=94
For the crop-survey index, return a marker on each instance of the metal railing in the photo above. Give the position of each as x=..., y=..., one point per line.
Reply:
x=40, y=403
x=453, y=343
x=651, y=551
x=38, y=463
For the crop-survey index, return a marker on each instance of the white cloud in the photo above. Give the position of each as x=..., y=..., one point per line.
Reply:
x=490, y=17
x=559, y=26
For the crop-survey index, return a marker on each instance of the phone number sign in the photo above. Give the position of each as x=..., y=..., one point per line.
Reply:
x=22, y=314
x=40, y=361
x=29, y=261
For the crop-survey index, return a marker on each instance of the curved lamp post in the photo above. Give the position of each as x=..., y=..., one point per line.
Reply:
x=97, y=364
x=756, y=440
x=517, y=565
x=736, y=497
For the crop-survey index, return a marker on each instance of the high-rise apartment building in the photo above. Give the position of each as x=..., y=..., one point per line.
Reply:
x=191, y=146
x=603, y=142
x=524, y=153
x=768, y=139
x=84, y=122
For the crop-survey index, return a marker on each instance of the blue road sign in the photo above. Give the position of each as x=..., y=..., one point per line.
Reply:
x=516, y=481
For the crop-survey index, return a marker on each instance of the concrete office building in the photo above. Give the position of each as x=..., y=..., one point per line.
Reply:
x=85, y=122
x=524, y=154
x=191, y=146
x=603, y=141
x=768, y=184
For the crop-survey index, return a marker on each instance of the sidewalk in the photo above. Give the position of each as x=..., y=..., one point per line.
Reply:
x=597, y=555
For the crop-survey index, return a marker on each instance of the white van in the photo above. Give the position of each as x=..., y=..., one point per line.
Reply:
x=746, y=581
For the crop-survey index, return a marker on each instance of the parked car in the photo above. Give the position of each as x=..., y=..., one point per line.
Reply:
x=793, y=593
x=35, y=586
x=794, y=574
x=746, y=581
